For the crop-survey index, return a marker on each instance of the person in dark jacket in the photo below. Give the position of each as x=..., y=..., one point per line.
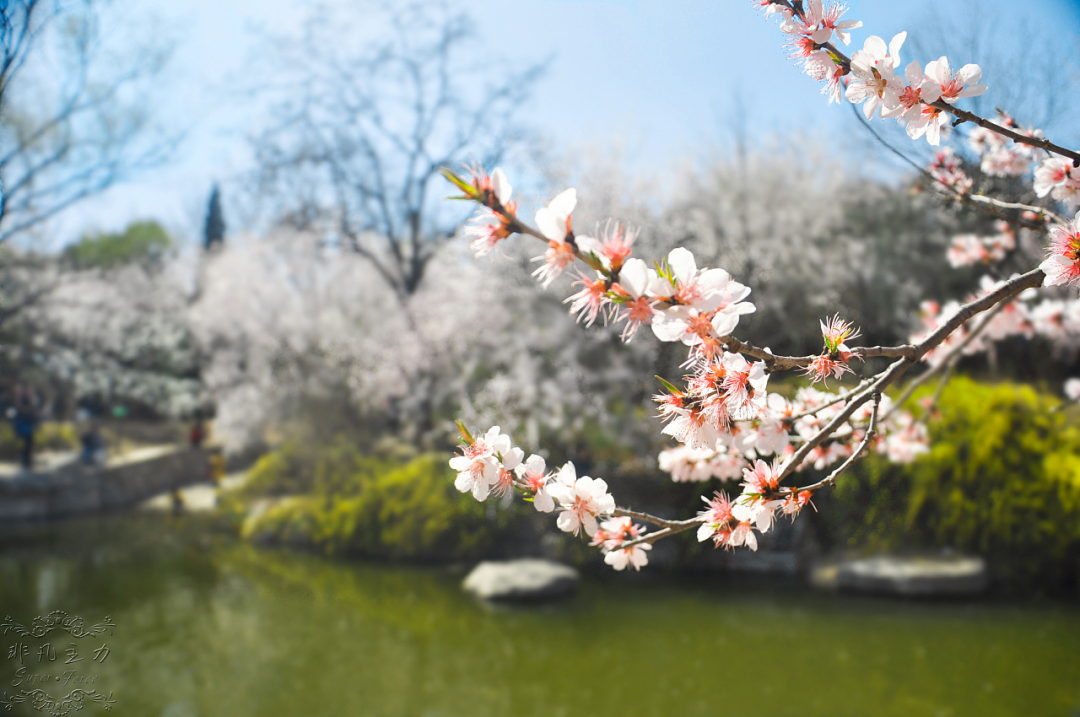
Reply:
x=25, y=423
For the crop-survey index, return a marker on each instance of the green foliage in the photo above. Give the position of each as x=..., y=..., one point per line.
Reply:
x=140, y=242
x=49, y=436
x=1002, y=479
x=345, y=502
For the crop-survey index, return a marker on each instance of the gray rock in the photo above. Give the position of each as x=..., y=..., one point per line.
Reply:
x=925, y=576
x=526, y=579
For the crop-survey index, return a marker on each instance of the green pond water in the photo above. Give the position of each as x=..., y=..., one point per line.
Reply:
x=207, y=626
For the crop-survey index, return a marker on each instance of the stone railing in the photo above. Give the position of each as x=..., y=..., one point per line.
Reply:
x=79, y=489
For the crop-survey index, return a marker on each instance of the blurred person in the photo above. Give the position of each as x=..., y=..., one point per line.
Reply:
x=198, y=433
x=25, y=422
x=177, y=502
x=93, y=446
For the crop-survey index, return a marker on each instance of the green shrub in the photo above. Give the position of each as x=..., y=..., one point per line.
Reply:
x=353, y=504
x=49, y=436
x=298, y=468
x=1002, y=479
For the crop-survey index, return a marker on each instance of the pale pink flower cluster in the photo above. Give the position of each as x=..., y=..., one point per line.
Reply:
x=582, y=501
x=969, y=249
x=945, y=168
x=554, y=223
x=487, y=228
x=783, y=424
x=610, y=537
x=723, y=419
x=491, y=464
x=720, y=389
x=697, y=465
x=484, y=463
x=680, y=301
x=1001, y=156
x=1062, y=266
x=731, y=523
x=907, y=440
x=1057, y=177
x=910, y=98
x=899, y=436
x=916, y=99
x=809, y=32
x=874, y=78
x=1055, y=319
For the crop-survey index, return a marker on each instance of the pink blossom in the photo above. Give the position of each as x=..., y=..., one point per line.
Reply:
x=636, y=307
x=764, y=436
x=687, y=464
x=965, y=250
x=835, y=357
x=1055, y=176
x=715, y=517
x=918, y=89
x=745, y=385
x=770, y=7
x=581, y=502
x=925, y=120
x=836, y=332
x=830, y=20
x=592, y=297
x=634, y=556
x=533, y=474
x=1048, y=319
x=907, y=439
x=615, y=244
x=705, y=290
x=761, y=479
x=692, y=427
x=491, y=190
x=824, y=366
x=686, y=324
x=1006, y=162
x=553, y=221
x=953, y=86
x=795, y=503
x=742, y=534
x=875, y=82
x=752, y=509
x=1062, y=266
x=984, y=140
x=817, y=23
x=479, y=467
x=491, y=224
x=611, y=534
x=1052, y=172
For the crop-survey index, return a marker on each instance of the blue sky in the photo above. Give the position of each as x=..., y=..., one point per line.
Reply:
x=663, y=78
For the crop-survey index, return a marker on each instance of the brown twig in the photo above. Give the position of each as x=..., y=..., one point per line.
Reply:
x=1037, y=142
x=673, y=528
x=968, y=116
x=953, y=354
x=831, y=478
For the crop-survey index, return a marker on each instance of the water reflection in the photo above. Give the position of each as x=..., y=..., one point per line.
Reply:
x=206, y=626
